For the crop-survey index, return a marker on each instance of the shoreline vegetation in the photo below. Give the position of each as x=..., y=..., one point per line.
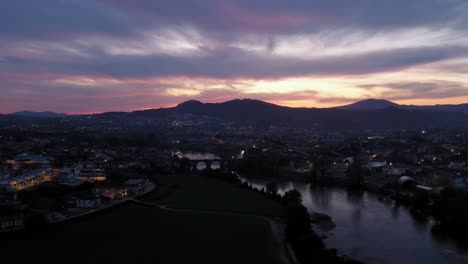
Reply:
x=448, y=207
x=307, y=244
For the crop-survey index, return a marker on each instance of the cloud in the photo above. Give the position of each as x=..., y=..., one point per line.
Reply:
x=419, y=90
x=239, y=64
x=298, y=15
x=59, y=19
x=119, y=54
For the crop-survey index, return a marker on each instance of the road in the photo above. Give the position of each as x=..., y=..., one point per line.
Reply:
x=150, y=187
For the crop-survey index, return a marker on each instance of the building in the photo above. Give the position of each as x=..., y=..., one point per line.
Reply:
x=135, y=182
x=26, y=180
x=83, y=173
x=10, y=219
x=456, y=165
x=401, y=169
x=12, y=222
x=376, y=163
x=460, y=183
x=87, y=201
x=29, y=159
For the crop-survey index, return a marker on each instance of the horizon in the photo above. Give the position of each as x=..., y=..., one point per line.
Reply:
x=92, y=57
x=221, y=102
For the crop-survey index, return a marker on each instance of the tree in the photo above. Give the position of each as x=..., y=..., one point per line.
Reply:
x=298, y=221
x=272, y=188
x=313, y=175
x=292, y=197
x=354, y=174
x=420, y=200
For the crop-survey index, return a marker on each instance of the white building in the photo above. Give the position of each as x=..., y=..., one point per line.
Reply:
x=25, y=180
x=376, y=163
x=456, y=165
x=88, y=202
x=82, y=173
x=11, y=222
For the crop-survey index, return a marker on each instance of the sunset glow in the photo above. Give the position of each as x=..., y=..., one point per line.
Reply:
x=111, y=55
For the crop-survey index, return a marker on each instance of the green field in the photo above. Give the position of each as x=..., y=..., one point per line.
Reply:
x=138, y=234
x=201, y=192
x=144, y=234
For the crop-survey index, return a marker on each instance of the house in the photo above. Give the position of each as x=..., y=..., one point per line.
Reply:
x=84, y=172
x=460, y=183
x=423, y=188
x=11, y=222
x=112, y=192
x=25, y=180
x=87, y=201
x=376, y=162
x=72, y=181
x=456, y=165
x=25, y=158
x=401, y=169
x=135, y=182
x=10, y=219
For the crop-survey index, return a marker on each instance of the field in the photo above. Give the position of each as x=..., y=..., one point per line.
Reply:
x=201, y=192
x=138, y=234
x=143, y=234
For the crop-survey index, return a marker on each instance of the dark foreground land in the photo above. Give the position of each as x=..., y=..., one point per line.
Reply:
x=143, y=234
x=191, y=191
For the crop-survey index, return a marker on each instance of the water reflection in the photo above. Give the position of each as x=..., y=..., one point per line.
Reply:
x=354, y=197
x=373, y=229
x=421, y=222
x=395, y=211
x=320, y=196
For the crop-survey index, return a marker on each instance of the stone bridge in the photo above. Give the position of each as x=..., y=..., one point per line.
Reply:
x=204, y=164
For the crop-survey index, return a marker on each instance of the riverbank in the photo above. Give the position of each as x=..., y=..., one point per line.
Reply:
x=305, y=242
x=373, y=229
x=148, y=187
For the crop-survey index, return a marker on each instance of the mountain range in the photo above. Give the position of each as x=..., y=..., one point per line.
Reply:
x=368, y=114
x=373, y=104
x=39, y=114
x=365, y=114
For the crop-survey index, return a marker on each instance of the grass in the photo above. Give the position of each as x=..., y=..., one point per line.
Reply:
x=201, y=192
x=138, y=234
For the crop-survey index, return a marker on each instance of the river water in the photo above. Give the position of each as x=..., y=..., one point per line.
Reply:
x=373, y=230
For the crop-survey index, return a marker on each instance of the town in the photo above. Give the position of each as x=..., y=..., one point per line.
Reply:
x=60, y=174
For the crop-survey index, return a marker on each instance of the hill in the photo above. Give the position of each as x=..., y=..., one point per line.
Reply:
x=372, y=114
x=39, y=114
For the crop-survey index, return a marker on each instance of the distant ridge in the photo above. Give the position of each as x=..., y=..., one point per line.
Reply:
x=369, y=114
x=39, y=114
x=366, y=114
x=369, y=104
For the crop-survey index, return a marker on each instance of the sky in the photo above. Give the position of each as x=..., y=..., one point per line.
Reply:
x=88, y=56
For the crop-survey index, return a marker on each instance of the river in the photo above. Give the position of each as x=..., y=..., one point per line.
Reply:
x=371, y=229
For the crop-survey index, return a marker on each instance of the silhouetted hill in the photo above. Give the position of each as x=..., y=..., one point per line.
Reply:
x=375, y=114
x=367, y=114
x=374, y=104
x=39, y=114
x=369, y=104
x=453, y=108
